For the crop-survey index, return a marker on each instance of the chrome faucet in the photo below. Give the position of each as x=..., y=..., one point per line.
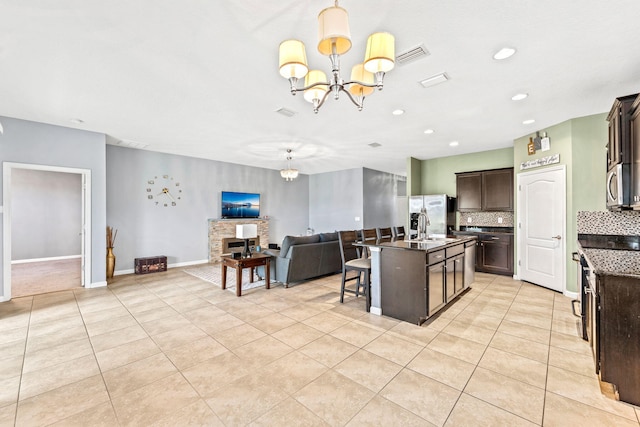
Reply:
x=423, y=223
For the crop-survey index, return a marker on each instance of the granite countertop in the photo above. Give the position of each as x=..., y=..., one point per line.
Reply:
x=467, y=229
x=613, y=261
x=428, y=246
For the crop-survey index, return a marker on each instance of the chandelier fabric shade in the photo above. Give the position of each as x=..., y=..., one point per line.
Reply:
x=334, y=39
x=333, y=30
x=293, y=59
x=380, y=55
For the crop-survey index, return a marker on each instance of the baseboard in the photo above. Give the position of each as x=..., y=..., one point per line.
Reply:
x=376, y=310
x=96, y=285
x=572, y=295
x=516, y=277
x=123, y=272
x=176, y=265
x=54, y=258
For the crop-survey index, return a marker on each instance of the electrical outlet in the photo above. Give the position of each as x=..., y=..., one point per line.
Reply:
x=469, y=220
x=499, y=220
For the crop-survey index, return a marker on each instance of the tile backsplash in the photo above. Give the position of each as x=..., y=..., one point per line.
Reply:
x=626, y=223
x=486, y=219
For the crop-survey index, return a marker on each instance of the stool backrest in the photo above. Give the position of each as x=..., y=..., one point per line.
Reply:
x=347, y=250
x=383, y=233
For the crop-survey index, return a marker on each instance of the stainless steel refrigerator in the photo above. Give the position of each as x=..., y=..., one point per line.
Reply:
x=441, y=210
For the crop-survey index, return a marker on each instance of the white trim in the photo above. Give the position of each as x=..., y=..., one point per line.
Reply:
x=7, y=167
x=54, y=258
x=572, y=295
x=563, y=242
x=516, y=277
x=376, y=310
x=96, y=285
x=176, y=265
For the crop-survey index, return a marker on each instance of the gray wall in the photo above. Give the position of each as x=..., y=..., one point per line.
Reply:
x=181, y=232
x=46, y=214
x=42, y=144
x=335, y=200
x=379, y=204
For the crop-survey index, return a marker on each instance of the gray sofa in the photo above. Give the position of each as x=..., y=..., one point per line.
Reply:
x=304, y=257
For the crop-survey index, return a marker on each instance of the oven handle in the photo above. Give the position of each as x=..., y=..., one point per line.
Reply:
x=573, y=307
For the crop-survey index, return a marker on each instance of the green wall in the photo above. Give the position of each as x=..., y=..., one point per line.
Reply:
x=439, y=175
x=414, y=174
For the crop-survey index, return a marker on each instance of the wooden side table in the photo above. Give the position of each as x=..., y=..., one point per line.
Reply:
x=254, y=261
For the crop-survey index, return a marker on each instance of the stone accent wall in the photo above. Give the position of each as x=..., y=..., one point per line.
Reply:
x=221, y=228
x=486, y=219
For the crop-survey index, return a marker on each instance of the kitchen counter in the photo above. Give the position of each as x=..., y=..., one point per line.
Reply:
x=613, y=261
x=466, y=230
x=420, y=245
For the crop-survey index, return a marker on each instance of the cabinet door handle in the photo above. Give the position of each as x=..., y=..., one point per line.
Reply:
x=495, y=238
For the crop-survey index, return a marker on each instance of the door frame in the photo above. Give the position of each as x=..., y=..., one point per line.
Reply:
x=8, y=167
x=563, y=241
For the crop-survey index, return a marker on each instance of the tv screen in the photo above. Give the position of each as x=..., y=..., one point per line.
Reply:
x=240, y=205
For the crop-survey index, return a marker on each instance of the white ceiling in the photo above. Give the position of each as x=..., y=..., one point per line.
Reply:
x=199, y=77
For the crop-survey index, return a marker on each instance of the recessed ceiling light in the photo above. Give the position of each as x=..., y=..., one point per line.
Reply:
x=453, y=144
x=429, y=131
x=504, y=53
x=76, y=121
x=528, y=122
x=519, y=96
x=398, y=112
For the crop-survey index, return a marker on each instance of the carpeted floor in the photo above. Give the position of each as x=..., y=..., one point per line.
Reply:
x=213, y=273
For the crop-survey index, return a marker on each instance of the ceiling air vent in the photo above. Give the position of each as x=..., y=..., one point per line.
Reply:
x=411, y=55
x=285, y=112
x=434, y=80
x=131, y=144
x=374, y=145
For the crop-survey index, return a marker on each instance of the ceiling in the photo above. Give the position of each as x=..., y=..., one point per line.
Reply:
x=200, y=77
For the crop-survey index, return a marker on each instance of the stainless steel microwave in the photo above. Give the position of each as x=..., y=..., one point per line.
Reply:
x=618, y=186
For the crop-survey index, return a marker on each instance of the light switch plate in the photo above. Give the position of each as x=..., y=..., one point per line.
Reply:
x=357, y=218
x=469, y=220
x=499, y=220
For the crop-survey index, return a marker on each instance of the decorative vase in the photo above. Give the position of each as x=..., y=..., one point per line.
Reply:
x=111, y=263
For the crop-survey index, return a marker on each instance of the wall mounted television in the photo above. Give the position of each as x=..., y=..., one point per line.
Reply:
x=240, y=205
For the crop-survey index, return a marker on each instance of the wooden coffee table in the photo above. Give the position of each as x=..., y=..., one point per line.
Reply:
x=254, y=261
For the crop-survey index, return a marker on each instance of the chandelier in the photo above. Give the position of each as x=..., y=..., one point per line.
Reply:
x=289, y=174
x=335, y=40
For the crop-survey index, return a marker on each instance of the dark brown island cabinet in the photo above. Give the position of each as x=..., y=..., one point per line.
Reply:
x=488, y=190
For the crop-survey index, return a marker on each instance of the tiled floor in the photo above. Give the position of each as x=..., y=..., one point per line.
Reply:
x=171, y=349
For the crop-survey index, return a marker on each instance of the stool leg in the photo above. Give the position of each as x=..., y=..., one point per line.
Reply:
x=367, y=289
x=344, y=277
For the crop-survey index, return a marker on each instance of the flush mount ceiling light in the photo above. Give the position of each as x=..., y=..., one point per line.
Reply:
x=429, y=131
x=453, y=144
x=397, y=112
x=1, y=129
x=504, y=53
x=334, y=40
x=289, y=174
x=519, y=96
x=528, y=122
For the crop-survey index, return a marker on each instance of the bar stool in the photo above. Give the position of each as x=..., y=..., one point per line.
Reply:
x=351, y=261
x=383, y=233
x=398, y=232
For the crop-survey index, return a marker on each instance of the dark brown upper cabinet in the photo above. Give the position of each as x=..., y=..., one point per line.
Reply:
x=490, y=190
x=619, y=145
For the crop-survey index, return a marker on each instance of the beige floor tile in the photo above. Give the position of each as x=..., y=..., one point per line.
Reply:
x=165, y=324
x=99, y=328
x=478, y=319
x=126, y=353
x=40, y=342
x=117, y=338
x=289, y=413
x=414, y=333
x=581, y=363
x=585, y=390
x=440, y=367
x=369, y=370
x=566, y=342
x=297, y=335
x=138, y=374
x=195, y=414
x=12, y=335
x=487, y=309
x=58, y=354
x=204, y=314
x=459, y=348
x=382, y=412
x=560, y=411
x=328, y=350
x=55, y=312
x=300, y=312
x=8, y=415
x=326, y=322
x=105, y=315
x=221, y=323
x=513, y=396
x=291, y=372
x=195, y=352
x=244, y=400
x=528, y=332
x=11, y=367
x=155, y=401
x=570, y=326
x=516, y=367
x=210, y=375
x=238, y=335
x=437, y=324
x=262, y=351
x=469, y=332
x=470, y=411
x=421, y=395
x=356, y=334
x=9, y=391
x=12, y=349
x=54, y=406
x=369, y=319
x=101, y=415
x=395, y=349
x=272, y=323
x=46, y=379
x=178, y=337
x=150, y=309
x=520, y=346
x=334, y=397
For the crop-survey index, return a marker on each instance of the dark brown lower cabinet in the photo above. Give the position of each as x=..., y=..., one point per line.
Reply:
x=495, y=254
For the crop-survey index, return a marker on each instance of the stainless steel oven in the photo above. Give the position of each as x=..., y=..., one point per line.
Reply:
x=618, y=186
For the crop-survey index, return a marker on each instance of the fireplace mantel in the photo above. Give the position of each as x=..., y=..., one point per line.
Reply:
x=225, y=228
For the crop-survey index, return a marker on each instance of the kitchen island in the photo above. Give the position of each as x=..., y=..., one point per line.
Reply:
x=413, y=280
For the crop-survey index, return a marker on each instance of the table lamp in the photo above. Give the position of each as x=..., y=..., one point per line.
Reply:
x=246, y=232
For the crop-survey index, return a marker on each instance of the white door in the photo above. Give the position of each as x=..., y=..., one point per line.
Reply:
x=541, y=227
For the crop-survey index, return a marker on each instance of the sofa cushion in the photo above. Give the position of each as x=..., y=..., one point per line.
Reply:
x=297, y=240
x=328, y=237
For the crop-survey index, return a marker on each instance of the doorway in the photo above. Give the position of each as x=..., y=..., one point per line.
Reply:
x=46, y=241
x=542, y=227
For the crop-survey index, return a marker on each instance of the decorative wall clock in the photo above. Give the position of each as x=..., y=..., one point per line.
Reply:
x=163, y=190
